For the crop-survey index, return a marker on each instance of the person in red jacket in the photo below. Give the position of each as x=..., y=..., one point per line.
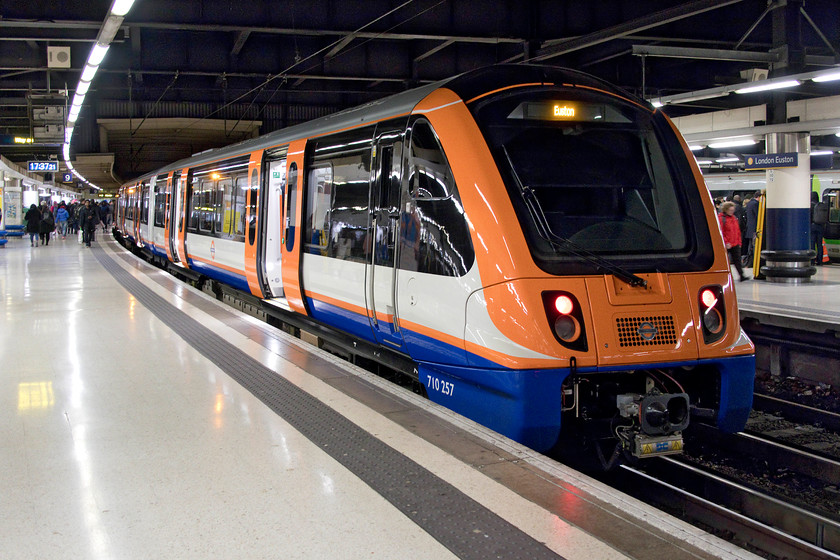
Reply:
x=731, y=235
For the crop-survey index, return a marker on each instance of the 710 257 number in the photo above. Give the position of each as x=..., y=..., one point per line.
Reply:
x=439, y=385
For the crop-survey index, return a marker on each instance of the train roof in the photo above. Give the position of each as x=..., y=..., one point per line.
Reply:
x=467, y=86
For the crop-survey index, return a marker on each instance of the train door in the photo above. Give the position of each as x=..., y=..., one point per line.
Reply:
x=385, y=205
x=291, y=239
x=271, y=255
x=168, y=224
x=177, y=230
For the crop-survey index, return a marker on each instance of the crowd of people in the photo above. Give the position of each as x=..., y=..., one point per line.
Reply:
x=738, y=223
x=81, y=218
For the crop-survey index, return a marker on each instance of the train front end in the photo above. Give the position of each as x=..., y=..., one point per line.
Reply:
x=607, y=305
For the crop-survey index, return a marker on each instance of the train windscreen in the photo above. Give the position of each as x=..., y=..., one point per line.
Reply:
x=591, y=173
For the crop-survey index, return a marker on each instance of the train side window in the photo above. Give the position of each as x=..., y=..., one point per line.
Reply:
x=144, y=204
x=291, y=206
x=223, y=206
x=436, y=233
x=240, y=191
x=160, y=200
x=338, y=189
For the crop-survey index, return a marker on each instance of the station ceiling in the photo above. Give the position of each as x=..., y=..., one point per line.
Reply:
x=186, y=75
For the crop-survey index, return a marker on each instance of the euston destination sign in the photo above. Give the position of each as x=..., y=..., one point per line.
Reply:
x=771, y=161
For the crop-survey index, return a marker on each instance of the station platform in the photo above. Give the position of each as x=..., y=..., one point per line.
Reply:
x=142, y=418
x=812, y=306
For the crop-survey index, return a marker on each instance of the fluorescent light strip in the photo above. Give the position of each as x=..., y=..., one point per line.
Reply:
x=732, y=143
x=727, y=160
x=770, y=86
x=830, y=77
x=97, y=54
x=822, y=152
x=89, y=72
x=121, y=7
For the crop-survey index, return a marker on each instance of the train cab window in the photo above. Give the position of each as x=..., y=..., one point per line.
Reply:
x=436, y=232
x=587, y=171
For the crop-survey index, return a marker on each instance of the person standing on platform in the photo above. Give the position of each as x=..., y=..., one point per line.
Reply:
x=819, y=216
x=732, y=236
x=61, y=218
x=751, y=209
x=33, y=224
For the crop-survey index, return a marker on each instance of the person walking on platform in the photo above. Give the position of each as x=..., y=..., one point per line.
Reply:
x=61, y=218
x=33, y=224
x=47, y=225
x=732, y=236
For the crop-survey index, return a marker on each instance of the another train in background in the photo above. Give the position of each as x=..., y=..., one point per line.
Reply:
x=530, y=244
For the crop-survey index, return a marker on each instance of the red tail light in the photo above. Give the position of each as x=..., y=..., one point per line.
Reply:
x=566, y=319
x=712, y=313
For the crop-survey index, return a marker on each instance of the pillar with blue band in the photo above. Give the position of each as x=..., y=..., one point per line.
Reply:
x=788, y=212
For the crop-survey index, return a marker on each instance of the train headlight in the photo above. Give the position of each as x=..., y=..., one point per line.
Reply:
x=566, y=319
x=712, y=313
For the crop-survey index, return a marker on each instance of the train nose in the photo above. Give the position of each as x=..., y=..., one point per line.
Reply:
x=664, y=414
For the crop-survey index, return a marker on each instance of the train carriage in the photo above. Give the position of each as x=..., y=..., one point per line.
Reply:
x=534, y=246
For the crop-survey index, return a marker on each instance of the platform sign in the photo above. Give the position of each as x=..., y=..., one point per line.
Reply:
x=772, y=161
x=66, y=177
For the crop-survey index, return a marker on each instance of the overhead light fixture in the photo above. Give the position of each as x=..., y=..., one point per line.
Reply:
x=97, y=54
x=121, y=7
x=822, y=152
x=657, y=103
x=769, y=86
x=695, y=147
x=691, y=98
x=704, y=162
x=733, y=143
x=727, y=160
x=83, y=88
x=830, y=77
x=88, y=73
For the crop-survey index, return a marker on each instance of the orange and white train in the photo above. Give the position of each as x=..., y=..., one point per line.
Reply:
x=534, y=246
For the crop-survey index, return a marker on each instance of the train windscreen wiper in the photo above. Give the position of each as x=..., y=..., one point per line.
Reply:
x=557, y=242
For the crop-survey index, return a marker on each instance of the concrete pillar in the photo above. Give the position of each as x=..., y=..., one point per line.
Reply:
x=787, y=218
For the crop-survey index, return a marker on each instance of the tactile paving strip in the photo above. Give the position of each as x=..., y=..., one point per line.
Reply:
x=465, y=527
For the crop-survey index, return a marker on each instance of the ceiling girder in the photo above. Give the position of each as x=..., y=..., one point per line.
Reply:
x=560, y=47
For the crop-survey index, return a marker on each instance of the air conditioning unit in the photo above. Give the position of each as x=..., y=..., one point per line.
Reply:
x=58, y=57
x=48, y=132
x=755, y=74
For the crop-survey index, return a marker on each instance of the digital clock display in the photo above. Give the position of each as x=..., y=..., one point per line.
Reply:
x=43, y=166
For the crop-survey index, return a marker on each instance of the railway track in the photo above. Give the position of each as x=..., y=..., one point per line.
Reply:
x=773, y=489
x=755, y=520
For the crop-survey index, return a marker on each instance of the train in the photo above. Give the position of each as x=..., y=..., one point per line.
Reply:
x=533, y=246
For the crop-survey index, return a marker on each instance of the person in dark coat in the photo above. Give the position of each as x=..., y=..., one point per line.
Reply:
x=752, y=224
x=33, y=224
x=47, y=224
x=88, y=220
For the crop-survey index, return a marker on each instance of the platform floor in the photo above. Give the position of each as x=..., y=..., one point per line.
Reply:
x=140, y=418
x=813, y=305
